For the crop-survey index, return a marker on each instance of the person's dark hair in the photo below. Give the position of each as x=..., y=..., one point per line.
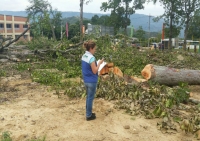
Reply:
x=89, y=44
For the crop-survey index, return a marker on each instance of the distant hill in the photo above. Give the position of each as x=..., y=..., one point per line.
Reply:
x=136, y=19
x=14, y=13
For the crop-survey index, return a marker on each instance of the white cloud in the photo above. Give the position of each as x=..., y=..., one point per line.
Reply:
x=73, y=5
x=16, y=5
x=152, y=9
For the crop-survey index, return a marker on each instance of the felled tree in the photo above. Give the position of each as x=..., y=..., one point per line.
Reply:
x=170, y=76
x=10, y=40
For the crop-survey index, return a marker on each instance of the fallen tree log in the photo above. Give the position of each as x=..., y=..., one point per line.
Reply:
x=2, y=46
x=195, y=101
x=170, y=76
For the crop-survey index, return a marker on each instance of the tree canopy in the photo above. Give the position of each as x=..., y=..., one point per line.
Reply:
x=121, y=11
x=41, y=14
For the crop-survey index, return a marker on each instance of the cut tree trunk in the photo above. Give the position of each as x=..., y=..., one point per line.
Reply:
x=109, y=67
x=170, y=76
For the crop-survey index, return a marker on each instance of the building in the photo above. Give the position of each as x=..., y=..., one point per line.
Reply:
x=99, y=30
x=13, y=26
x=177, y=44
x=174, y=42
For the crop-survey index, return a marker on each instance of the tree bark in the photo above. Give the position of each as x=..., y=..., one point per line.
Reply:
x=170, y=76
x=81, y=20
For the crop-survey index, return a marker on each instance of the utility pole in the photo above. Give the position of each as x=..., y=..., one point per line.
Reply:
x=149, y=29
x=81, y=20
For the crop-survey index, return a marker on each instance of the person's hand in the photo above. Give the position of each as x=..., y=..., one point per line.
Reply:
x=101, y=61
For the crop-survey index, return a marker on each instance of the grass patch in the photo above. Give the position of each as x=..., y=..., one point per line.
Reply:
x=2, y=73
x=22, y=66
x=46, y=77
x=6, y=136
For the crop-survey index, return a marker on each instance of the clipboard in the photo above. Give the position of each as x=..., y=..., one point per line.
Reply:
x=101, y=66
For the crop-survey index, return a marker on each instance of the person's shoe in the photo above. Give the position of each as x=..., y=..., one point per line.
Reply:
x=94, y=114
x=91, y=118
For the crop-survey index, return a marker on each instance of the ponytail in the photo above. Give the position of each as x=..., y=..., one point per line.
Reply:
x=89, y=45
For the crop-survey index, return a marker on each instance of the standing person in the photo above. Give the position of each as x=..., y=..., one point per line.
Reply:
x=154, y=46
x=162, y=47
x=90, y=76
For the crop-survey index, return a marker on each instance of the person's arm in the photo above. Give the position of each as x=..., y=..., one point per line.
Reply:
x=94, y=67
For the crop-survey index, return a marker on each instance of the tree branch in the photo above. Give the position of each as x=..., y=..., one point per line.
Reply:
x=16, y=39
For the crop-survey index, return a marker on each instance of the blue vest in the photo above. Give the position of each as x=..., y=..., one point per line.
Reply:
x=88, y=75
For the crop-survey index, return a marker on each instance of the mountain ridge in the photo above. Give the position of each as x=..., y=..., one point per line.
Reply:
x=136, y=19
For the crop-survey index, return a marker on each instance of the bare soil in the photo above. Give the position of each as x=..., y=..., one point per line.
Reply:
x=32, y=111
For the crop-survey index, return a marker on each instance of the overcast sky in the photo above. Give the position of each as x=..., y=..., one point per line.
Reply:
x=73, y=5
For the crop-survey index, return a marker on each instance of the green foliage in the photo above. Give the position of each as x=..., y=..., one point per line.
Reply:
x=46, y=77
x=22, y=66
x=139, y=33
x=116, y=88
x=194, y=29
x=177, y=119
x=62, y=68
x=103, y=20
x=157, y=101
x=71, y=69
x=75, y=39
x=128, y=58
x=61, y=63
x=120, y=12
x=74, y=90
x=181, y=93
x=41, y=43
x=44, y=20
x=74, y=28
x=2, y=73
x=74, y=31
x=175, y=31
x=6, y=136
x=21, y=43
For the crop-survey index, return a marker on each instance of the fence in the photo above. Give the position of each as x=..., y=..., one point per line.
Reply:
x=100, y=30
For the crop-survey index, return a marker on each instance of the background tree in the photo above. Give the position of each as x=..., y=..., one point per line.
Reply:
x=105, y=20
x=194, y=28
x=139, y=33
x=39, y=12
x=121, y=11
x=81, y=17
x=102, y=20
x=74, y=28
x=46, y=29
x=81, y=20
x=171, y=17
x=55, y=23
x=187, y=10
x=95, y=20
x=174, y=31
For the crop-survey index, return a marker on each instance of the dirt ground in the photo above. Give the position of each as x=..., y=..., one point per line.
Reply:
x=32, y=111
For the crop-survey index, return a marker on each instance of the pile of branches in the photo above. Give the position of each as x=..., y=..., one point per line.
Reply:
x=149, y=100
x=5, y=42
